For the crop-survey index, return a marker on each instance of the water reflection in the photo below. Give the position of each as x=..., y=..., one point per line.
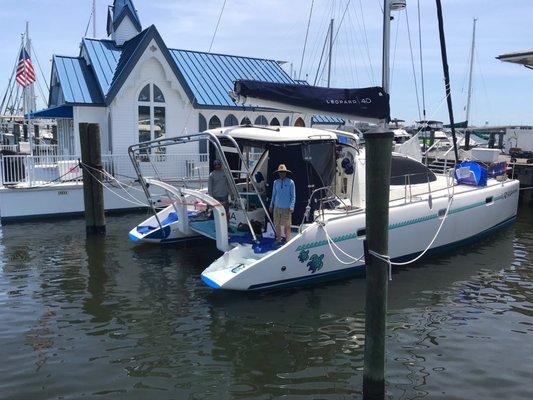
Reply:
x=136, y=322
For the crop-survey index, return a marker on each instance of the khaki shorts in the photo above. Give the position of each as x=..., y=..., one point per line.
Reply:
x=282, y=216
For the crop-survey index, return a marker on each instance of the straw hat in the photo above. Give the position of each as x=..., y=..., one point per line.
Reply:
x=283, y=168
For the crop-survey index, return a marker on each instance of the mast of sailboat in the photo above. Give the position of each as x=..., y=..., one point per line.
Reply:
x=94, y=18
x=330, y=50
x=472, y=52
x=446, y=77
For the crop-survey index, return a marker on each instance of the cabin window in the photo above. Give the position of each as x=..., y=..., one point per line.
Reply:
x=274, y=122
x=151, y=120
x=214, y=122
x=231, y=120
x=246, y=121
x=286, y=121
x=261, y=120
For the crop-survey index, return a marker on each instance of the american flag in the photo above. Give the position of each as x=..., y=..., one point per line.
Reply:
x=25, y=71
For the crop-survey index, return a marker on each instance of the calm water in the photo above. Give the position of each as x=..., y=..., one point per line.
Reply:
x=109, y=319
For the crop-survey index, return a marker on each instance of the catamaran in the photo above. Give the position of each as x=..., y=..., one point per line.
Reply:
x=428, y=212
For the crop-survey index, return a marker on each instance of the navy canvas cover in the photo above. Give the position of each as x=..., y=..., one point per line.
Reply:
x=371, y=102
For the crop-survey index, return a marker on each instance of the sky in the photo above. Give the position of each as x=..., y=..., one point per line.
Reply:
x=276, y=29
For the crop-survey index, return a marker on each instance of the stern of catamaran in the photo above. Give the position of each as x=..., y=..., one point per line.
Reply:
x=247, y=216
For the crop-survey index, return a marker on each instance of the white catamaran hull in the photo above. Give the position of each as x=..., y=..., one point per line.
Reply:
x=309, y=256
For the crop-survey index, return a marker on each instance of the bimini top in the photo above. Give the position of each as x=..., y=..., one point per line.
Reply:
x=275, y=134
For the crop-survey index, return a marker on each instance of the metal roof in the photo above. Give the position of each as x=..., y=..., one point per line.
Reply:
x=210, y=76
x=77, y=81
x=104, y=56
x=326, y=120
x=121, y=8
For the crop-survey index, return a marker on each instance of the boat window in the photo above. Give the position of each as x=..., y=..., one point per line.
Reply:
x=214, y=122
x=442, y=212
x=489, y=200
x=261, y=120
x=231, y=120
x=405, y=170
x=252, y=154
x=361, y=232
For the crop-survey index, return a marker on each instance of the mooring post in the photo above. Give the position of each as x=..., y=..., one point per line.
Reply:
x=378, y=144
x=93, y=191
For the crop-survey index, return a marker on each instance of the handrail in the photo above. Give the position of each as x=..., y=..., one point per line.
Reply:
x=167, y=141
x=308, y=206
x=251, y=178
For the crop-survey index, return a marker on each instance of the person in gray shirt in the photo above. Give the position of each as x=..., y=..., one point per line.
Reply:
x=217, y=186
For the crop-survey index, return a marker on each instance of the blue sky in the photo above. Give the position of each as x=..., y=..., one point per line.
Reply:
x=276, y=28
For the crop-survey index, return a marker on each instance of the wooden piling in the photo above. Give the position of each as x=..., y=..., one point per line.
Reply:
x=378, y=145
x=93, y=192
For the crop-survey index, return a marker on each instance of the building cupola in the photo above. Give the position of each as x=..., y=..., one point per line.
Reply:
x=122, y=21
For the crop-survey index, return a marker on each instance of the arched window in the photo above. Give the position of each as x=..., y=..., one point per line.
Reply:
x=202, y=123
x=158, y=95
x=151, y=116
x=145, y=94
x=246, y=121
x=261, y=120
x=214, y=122
x=286, y=121
x=231, y=120
x=274, y=122
x=300, y=122
x=202, y=126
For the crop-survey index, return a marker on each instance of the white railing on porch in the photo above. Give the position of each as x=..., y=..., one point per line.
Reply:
x=38, y=170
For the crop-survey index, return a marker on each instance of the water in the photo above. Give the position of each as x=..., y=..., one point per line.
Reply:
x=108, y=319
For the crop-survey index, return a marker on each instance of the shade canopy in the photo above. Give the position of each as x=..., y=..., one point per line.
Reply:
x=63, y=111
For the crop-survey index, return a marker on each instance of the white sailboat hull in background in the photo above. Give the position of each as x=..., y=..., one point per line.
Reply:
x=474, y=213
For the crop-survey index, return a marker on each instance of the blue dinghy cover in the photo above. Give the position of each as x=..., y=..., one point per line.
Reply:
x=471, y=173
x=371, y=102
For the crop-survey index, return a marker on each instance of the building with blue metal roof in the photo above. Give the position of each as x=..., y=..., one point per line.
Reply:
x=137, y=89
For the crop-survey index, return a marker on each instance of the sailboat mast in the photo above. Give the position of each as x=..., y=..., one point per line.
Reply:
x=94, y=18
x=330, y=50
x=446, y=77
x=472, y=52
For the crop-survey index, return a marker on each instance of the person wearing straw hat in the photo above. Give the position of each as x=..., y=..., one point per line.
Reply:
x=282, y=202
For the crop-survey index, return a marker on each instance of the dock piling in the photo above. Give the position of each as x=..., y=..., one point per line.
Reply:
x=93, y=192
x=378, y=144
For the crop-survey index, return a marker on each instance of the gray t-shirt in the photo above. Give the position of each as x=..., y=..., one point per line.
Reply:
x=218, y=184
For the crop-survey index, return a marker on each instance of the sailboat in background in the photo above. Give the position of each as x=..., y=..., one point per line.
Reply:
x=19, y=133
